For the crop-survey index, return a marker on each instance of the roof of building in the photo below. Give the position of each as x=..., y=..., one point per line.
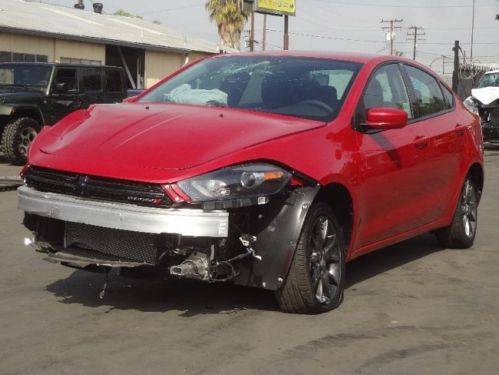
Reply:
x=41, y=19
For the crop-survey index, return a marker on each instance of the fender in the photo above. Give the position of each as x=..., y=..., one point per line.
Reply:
x=278, y=227
x=12, y=109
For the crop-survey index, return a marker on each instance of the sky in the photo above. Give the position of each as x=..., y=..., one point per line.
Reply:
x=347, y=25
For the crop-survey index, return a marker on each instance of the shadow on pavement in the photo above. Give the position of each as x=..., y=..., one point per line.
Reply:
x=194, y=298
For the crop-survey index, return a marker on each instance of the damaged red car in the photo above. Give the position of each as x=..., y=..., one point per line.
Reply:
x=267, y=170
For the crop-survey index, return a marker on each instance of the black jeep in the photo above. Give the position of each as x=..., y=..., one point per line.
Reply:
x=36, y=94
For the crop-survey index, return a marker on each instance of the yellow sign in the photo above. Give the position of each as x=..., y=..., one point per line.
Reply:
x=287, y=7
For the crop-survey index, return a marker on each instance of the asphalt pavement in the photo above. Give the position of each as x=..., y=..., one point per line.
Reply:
x=413, y=308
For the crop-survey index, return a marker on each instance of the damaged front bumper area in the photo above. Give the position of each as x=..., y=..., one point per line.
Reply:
x=253, y=246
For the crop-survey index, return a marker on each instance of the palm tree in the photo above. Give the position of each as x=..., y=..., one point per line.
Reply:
x=230, y=20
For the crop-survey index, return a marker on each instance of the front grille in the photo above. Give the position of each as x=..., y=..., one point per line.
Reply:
x=124, y=245
x=141, y=194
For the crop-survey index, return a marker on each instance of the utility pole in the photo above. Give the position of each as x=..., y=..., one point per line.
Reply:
x=414, y=34
x=264, y=36
x=286, y=32
x=455, y=74
x=391, y=29
x=252, y=33
x=472, y=31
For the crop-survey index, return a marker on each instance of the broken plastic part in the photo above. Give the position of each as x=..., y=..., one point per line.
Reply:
x=247, y=241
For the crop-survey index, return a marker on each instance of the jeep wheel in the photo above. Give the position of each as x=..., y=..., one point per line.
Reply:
x=316, y=279
x=17, y=137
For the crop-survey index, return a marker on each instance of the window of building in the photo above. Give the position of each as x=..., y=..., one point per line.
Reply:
x=7, y=56
x=72, y=60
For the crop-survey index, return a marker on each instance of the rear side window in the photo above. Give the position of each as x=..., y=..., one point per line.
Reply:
x=429, y=99
x=91, y=79
x=113, y=80
x=386, y=88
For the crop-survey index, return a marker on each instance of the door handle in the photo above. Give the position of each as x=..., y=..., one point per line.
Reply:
x=459, y=129
x=420, y=142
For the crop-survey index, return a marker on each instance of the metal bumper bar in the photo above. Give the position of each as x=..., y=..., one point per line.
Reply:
x=186, y=222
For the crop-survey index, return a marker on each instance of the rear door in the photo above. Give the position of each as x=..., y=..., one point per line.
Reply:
x=114, y=85
x=91, y=82
x=434, y=112
x=392, y=163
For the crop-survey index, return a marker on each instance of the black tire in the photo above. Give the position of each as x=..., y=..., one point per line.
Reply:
x=17, y=137
x=460, y=234
x=301, y=291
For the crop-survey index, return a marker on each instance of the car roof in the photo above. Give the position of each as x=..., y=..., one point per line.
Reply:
x=492, y=72
x=59, y=65
x=362, y=58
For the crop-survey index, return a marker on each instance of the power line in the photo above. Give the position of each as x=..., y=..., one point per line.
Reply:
x=327, y=37
x=377, y=5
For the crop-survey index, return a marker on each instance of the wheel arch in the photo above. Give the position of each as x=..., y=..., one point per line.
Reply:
x=29, y=111
x=339, y=198
x=476, y=174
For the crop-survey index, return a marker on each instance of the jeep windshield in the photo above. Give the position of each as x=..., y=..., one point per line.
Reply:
x=25, y=76
x=310, y=88
x=488, y=80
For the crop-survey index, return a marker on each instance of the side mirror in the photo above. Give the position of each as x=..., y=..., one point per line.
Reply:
x=386, y=118
x=61, y=87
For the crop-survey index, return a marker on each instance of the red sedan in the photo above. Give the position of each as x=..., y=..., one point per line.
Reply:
x=266, y=170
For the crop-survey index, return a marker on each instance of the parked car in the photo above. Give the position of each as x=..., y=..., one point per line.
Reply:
x=484, y=102
x=268, y=170
x=36, y=94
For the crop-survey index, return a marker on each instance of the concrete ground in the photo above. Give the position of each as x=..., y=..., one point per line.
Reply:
x=414, y=308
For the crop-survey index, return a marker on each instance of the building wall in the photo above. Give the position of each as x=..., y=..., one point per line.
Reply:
x=27, y=44
x=55, y=49
x=79, y=50
x=159, y=64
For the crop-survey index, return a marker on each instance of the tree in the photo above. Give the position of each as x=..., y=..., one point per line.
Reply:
x=230, y=20
x=124, y=13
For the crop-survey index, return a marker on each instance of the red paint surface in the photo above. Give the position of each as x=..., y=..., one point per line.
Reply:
x=403, y=181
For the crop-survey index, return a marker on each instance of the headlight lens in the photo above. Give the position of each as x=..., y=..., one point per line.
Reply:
x=470, y=105
x=242, y=181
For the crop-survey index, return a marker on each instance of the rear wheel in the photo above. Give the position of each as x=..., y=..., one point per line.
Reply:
x=316, y=279
x=461, y=233
x=17, y=138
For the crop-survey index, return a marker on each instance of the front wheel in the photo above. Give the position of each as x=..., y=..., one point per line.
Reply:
x=17, y=138
x=316, y=279
x=460, y=234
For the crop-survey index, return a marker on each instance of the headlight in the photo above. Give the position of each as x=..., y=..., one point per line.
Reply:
x=250, y=183
x=470, y=105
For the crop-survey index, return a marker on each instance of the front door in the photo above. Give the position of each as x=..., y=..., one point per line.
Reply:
x=392, y=164
x=65, y=94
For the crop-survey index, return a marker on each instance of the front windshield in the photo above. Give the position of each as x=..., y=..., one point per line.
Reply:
x=294, y=86
x=26, y=76
x=489, y=80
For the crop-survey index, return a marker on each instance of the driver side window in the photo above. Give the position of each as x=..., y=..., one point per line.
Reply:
x=67, y=77
x=386, y=88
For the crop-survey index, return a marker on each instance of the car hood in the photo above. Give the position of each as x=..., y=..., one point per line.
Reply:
x=486, y=95
x=132, y=136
